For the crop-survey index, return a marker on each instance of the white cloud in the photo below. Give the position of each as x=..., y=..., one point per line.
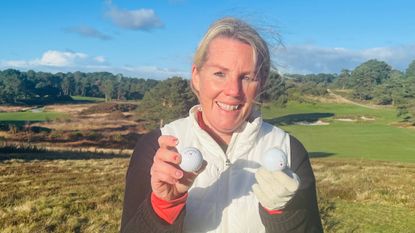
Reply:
x=14, y=63
x=59, y=59
x=304, y=59
x=99, y=59
x=86, y=31
x=55, y=59
x=300, y=59
x=140, y=19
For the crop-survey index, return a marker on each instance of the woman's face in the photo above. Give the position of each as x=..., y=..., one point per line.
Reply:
x=227, y=85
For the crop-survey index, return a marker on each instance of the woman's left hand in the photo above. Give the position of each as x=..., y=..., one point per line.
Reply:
x=275, y=188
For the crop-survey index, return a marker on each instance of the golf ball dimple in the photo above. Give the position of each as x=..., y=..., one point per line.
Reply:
x=274, y=160
x=191, y=159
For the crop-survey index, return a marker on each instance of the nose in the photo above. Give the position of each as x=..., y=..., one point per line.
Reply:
x=233, y=87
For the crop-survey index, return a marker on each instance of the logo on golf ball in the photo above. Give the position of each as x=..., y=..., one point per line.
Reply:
x=274, y=160
x=191, y=159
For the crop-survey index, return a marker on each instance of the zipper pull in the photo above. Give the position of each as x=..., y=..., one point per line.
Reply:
x=228, y=163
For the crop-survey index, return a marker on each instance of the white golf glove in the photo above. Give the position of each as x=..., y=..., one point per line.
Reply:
x=275, y=189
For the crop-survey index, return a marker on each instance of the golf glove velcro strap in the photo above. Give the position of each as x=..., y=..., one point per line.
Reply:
x=274, y=189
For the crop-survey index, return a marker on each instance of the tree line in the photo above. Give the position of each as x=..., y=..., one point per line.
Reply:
x=373, y=80
x=17, y=87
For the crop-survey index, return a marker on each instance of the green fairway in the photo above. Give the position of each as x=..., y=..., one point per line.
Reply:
x=349, y=133
x=29, y=116
x=89, y=99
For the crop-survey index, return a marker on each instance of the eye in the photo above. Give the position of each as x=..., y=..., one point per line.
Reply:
x=219, y=74
x=248, y=78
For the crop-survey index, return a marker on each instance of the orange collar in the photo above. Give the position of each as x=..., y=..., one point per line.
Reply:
x=201, y=122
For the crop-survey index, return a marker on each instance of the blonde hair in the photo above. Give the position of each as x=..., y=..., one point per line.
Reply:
x=236, y=29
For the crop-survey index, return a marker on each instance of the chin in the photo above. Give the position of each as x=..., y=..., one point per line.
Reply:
x=229, y=128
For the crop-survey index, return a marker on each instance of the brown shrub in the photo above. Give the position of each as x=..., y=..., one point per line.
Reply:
x=117, y=115
x=109, y=107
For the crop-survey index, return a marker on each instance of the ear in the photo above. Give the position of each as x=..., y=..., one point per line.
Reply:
x=195, y=78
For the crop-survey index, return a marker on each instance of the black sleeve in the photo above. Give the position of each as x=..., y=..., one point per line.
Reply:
x=138, y=214
x=301, y=213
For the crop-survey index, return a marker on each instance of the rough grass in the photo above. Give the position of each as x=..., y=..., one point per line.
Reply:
x=84, y=192
x=110, y=107
x=366, y=196
x=72, y=129
x=70, y=194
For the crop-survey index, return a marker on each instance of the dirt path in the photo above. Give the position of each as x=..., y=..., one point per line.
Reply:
x=341, y=99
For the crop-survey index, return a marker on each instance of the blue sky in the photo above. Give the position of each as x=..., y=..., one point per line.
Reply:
x=157, y=39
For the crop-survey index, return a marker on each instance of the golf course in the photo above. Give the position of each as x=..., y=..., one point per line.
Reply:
x=363, y=159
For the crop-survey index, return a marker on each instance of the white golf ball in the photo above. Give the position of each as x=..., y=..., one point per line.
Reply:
x=191, y=159
x=274, y=160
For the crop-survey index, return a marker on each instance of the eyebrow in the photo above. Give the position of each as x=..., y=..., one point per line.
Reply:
x=224, y=68
x=217, y=66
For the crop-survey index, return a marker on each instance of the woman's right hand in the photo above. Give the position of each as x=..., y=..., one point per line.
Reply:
x=168, y=181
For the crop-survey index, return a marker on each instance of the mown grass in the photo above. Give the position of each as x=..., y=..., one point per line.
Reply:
x=376, y=139
x=86, y=98
x=30, y=116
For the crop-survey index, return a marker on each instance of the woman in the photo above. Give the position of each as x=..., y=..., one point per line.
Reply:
x=231, y=193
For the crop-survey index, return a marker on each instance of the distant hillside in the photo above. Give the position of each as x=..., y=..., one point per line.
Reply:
x=371, y=83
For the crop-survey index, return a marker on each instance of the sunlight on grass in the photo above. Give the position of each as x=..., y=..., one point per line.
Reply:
x=375, y=139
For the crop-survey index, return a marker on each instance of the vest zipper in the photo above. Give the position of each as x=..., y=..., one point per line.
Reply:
x=228, y=162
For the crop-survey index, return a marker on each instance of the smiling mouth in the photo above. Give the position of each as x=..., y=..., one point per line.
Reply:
x=228, y=107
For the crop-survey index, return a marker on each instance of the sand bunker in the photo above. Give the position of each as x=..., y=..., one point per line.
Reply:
x=319, y=122
x=367, y=118
x=346, y=119
x=354, y=119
